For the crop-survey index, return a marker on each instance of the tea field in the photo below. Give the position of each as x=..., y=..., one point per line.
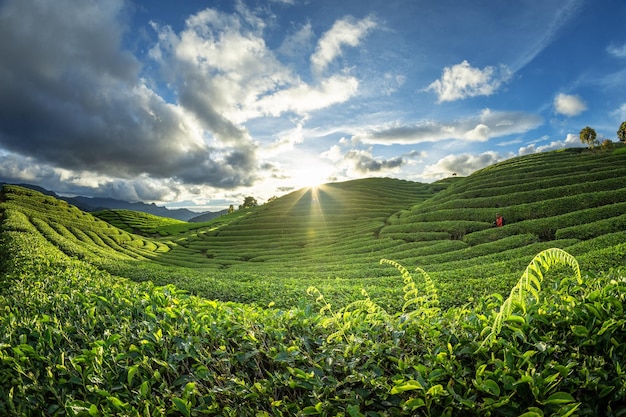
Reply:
x=287, y=309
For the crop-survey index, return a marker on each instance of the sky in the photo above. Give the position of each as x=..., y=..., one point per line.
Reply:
x=198, y=104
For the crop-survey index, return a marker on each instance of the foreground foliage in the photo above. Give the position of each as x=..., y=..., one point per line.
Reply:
x=77, y=341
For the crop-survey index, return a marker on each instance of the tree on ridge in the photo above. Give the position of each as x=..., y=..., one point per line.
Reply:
x=248, y=202
x=621, y=132
x=588, y=136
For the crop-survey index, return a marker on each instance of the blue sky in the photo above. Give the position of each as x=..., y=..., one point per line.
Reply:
x=200, y=103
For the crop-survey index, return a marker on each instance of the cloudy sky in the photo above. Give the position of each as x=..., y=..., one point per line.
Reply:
x=196, y=103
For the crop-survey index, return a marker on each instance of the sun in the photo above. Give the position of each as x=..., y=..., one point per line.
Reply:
x=312, y=174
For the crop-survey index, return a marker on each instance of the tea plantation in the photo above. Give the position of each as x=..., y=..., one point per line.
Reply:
x=303, y=306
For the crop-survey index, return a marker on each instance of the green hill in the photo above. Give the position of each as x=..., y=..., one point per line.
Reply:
x=83, y=339
x=333, y=236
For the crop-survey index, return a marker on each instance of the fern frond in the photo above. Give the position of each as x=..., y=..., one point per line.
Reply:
x=333, y=319
x=410, y=301
x=410, y=291
x=430, y=289
x=366, y=306
x=403, y=271
x=530, y=283
x=427, y=304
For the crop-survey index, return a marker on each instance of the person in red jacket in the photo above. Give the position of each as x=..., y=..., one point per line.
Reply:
x=499, y=220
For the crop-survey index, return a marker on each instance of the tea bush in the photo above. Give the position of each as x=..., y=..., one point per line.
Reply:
x=104, y=346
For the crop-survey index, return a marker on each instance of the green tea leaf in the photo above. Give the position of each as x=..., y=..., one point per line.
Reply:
x=144, y=389
x=559, y=398
x=490, y=386
x=131, y=373
x=407, y=386
x=181, y=406
x=413, y=404
x=117, y=403
x=580, y=331
x=309, y=411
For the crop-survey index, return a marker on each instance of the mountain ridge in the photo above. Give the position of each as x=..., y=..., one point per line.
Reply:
x=93, y=204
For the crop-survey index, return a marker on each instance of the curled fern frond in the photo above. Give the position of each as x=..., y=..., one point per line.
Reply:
x=430, y=290
x=405, y=273
x=427, y=304
x=529, y=285
x=372, y=312
x=313, y=291
x=333, y=320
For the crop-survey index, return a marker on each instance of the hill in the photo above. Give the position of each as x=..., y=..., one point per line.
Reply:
x=92, y=204
x=206, y=216
x=333, y=236
x=93, y=325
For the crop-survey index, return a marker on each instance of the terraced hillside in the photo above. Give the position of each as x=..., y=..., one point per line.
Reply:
x=268, y=253
x=571, y=199
x=333, y=236
x=317, y=231
x=81, y=339
x=74, y=232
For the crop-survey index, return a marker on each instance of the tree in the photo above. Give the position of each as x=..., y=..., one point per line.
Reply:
x=249, y=202
x=606, y=144
x=588, y=136
x=621, y=132
x=231, y=209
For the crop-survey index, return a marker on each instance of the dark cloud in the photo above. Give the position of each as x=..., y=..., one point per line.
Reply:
x=72, y=97
x=192, y=96
x=17, y=169
x=363, y=162
x=479, y=128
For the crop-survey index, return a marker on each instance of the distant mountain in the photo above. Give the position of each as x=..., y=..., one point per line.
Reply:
x=209, y=215
x=91, y=204
x=97, y=204
x=33, y=187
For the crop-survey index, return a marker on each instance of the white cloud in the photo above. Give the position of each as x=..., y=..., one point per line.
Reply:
x=303, y=98
x=620, y=113
x=225, y=74
x=488, y=124
x=617, y=51
x=94, y=110
x=480, y=133
x=462, y=80
x=286, y=140
x=334, y=154
x=15, y=168
x=391, y=83
x=570, y=141
x=346, y=31
x=547, y=32
x=569, y=105
x=219, y=64
x=298, y=41
x=463, y=164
